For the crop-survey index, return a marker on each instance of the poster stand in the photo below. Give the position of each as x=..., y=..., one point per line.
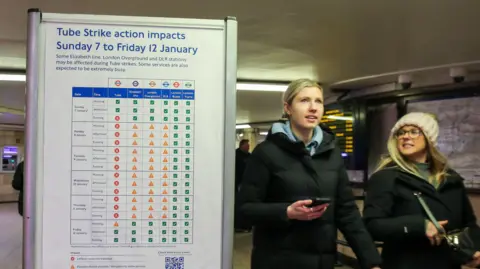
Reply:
x=50, y=85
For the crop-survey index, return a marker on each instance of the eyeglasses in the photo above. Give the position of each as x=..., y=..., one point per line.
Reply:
x=414, y=133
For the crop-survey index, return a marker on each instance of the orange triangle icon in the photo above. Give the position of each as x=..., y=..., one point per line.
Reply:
x=151, y=160
x=134, y=200
x=165, y=184
x=164, y=200
x=151, y=135
x=134, y=175
x=134, y=151
x=165, y=160
x=134, y=142
x=165, y=175
x=150, y=184
x=165, y=143
x=135, y=126
x=165, y=135
x=165, y=168
x=135, y=134
x=72, y=267
x=164, y=208
x=134, y=184
x=115, y=224
x=151, y=151
x=164, y=216
x=165, y=151
x=150, y=192
x=134, y=160
x=134, y=168
x=150, y=200
x=151, y=175
x=164, y=192
x=134, y=208
x=134, y=192
x=150, y=216
x=165, y=127
x=151, y=167
x=151, y=143
x=151, y=127
x=150, y=208
x=134, y=216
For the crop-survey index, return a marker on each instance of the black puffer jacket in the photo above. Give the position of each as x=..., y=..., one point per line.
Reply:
x=394, y=215
x=280, y=172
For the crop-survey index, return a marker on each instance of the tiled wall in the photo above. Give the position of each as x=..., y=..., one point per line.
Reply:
x=9, y=138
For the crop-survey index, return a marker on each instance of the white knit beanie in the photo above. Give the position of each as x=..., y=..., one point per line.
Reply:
x=426, y=122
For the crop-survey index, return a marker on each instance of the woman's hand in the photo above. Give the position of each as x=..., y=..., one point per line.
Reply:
x=433, y=234
x=475, y=262
x=300, y=211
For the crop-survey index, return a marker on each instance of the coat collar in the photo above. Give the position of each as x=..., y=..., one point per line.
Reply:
x=419, y=184
x=298, y=148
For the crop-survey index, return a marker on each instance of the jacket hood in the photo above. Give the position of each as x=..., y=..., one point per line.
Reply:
x=322, y=140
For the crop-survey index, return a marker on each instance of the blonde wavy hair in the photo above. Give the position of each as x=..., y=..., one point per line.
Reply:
x=438, y=162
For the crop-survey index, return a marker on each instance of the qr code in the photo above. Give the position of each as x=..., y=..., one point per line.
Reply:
x=174, y=263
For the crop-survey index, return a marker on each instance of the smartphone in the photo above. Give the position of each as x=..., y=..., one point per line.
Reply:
x=316, y=201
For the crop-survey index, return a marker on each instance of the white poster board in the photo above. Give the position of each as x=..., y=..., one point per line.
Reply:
x=130, y=142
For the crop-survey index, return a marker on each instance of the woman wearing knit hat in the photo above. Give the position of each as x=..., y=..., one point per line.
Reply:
x=393, y=213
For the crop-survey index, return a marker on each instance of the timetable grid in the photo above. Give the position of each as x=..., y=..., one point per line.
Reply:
x=132, y=163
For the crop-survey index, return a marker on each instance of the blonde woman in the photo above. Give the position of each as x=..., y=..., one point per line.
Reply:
x=297, y=163
x=394, y=215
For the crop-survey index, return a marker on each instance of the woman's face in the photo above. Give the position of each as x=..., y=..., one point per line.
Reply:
x=306, y=109
x=411, y=142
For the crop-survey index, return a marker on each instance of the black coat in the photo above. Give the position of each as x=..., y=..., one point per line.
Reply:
x=280, y=172
x=394, y=216
x=17, y=184
x=240, y=163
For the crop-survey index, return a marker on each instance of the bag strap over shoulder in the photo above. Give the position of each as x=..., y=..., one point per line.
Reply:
x=429, y=213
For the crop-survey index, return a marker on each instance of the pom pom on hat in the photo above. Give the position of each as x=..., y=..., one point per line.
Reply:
x=425, y=121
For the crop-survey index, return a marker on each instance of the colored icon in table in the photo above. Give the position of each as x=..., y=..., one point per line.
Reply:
x=116, y=183
x=116, y=175
x=117, y=134
x=117, y=142
x=116, y=158
x=115, y=207
x=117, y=126
x=116, y=215
x=116, y=191
x=116, y=199
x=116, y=150
x=117, y=118
x=116, y=167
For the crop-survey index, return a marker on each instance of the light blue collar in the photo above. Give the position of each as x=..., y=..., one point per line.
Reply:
x=287, y=130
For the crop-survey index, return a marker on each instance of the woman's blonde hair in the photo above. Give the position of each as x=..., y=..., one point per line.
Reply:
x=437, y=161
x=295, y=87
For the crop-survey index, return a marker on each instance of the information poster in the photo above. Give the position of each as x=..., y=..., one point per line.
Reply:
x=134, y=123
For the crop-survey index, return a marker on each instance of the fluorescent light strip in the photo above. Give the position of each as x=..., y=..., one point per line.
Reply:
x=243, y=126
x=12, y=77
x=264, y=87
